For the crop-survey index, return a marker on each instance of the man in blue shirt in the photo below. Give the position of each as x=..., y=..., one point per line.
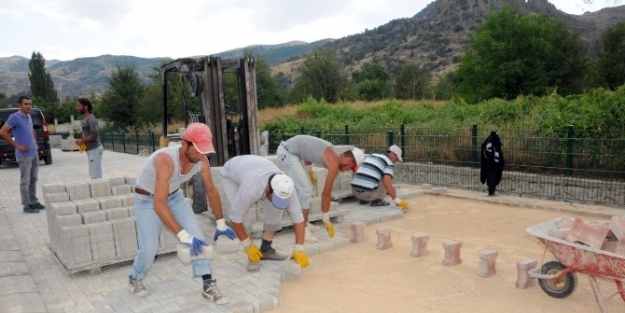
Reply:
x=25, y=153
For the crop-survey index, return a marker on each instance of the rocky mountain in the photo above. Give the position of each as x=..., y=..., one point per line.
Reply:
x=435, y=37
x=86, y=75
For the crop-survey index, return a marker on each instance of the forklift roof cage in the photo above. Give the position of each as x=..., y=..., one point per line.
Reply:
x=205, y=77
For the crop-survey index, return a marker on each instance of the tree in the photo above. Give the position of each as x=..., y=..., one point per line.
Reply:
x=515, y=54
x=612, y=56
x=412, y=82
x=447, y=86
x=372, y=82
x=124, y=91
x=3, y=101
x=41, y=85
x=267, y=92
x=321, y=76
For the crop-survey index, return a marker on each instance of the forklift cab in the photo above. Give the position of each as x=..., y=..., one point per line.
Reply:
x=234, y=125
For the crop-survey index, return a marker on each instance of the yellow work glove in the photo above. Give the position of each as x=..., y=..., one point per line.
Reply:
x=313, y=178
x=326, y=221
x=253, y=254
x=401, y=203
x=82, y=148
x=299, y=255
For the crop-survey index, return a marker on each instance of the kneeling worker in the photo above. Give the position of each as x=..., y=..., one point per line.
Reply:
x=374, y=179
x=247, y=179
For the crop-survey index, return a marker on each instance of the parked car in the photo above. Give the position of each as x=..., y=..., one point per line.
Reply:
x=7, y=152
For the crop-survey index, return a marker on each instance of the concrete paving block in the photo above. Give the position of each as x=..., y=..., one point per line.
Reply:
x=184, y=254
x=117, y=181
x=384, y=238
x=28, y=302
x=357, y=232
x=93, y=217
x=109, y=202
x=55, y=197
x=100, y=187
x=126, y=247
x=266, y=302
x=340, y=242
x=103, y=255
x=488, y=259
x=128, y=199
x=121, y=190
x=52, y=188
x=68, y=220
x=524, y=281
x=11, y=256
x=291, y=270
x=11, y=268
x=225, y=245
x=426, y=186
x=124, y=228
x=87, y=205
x=78, y=191
x=419, y=244
x=117, y=213
x=440, y=190
x=17, y=284
x=63, y=208
x=452, y=252
x=167, y=239
x=131, y=180
x=325, y=245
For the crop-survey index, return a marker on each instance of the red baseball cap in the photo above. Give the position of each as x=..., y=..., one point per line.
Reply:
x=200, y=135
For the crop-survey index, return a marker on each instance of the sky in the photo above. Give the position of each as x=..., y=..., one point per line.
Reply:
x=69, y=29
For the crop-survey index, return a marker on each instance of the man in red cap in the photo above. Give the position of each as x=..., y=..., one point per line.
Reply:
x=159, y=202
x=309, y=150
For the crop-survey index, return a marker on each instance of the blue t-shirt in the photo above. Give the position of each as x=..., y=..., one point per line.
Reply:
x=22, y=126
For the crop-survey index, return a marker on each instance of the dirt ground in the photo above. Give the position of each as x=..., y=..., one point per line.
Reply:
x=360, y=278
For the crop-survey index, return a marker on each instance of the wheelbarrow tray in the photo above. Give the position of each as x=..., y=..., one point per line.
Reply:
x=578, y=257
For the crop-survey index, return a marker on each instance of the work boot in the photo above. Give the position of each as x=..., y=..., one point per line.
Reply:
x=38, y=206
x=272, y=254
x=28, y=209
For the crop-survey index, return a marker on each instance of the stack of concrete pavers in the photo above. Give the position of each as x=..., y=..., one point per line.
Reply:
x=92, y=223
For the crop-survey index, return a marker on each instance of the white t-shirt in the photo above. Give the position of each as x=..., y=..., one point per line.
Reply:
x=251, y=173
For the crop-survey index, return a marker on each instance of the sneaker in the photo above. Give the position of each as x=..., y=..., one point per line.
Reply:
x=308, y=236
x=379, y=202
x=363, y=202
x=211, y=292
x=136, y=287
x=28, y=209
x=272, y=254
x=38, y=206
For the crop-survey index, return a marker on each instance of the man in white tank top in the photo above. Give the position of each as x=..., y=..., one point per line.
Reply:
x=309, y=150
x=158, y=202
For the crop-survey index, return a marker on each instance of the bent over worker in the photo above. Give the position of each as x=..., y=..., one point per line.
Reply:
x=249, y=178
x=309, y=150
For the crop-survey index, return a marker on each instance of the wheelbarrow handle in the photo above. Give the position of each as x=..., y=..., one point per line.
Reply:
x=535, y=273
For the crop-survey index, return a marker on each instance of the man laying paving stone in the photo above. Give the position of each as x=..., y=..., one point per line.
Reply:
x=248, y=179
x=374, y=179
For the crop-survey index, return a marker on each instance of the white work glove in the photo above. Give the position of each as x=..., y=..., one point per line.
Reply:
x=196, y=245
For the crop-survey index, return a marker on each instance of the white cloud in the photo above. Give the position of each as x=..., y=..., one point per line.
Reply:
x=68, y=29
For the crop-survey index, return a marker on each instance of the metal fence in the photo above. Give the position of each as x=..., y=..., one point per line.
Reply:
x=569, y=155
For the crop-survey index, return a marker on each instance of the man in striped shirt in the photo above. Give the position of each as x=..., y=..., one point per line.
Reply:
x=374, y=179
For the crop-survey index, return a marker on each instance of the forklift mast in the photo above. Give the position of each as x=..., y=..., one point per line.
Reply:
x=233, y=135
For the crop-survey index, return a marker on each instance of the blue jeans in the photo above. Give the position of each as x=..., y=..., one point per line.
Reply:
x=29, y=173
x=149, y=229
x=95, y=162
x=294, y=168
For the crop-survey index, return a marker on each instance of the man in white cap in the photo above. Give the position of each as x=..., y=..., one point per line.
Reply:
x=309, y=150
x=158, y=202
x=248, y=179
x=374, y=179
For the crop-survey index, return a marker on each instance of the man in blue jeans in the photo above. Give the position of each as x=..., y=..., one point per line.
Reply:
x=159, y=201
x=25, y=153
x=90, y=137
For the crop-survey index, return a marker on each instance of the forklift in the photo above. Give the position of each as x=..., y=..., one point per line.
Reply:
x=234, y=125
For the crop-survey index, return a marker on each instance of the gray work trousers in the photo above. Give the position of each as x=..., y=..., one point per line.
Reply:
x=29, y=172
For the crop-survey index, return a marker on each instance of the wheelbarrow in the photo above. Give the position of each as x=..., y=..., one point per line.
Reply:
x=558, y=278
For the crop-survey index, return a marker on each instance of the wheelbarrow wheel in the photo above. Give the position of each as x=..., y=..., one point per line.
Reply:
x=560, y=287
